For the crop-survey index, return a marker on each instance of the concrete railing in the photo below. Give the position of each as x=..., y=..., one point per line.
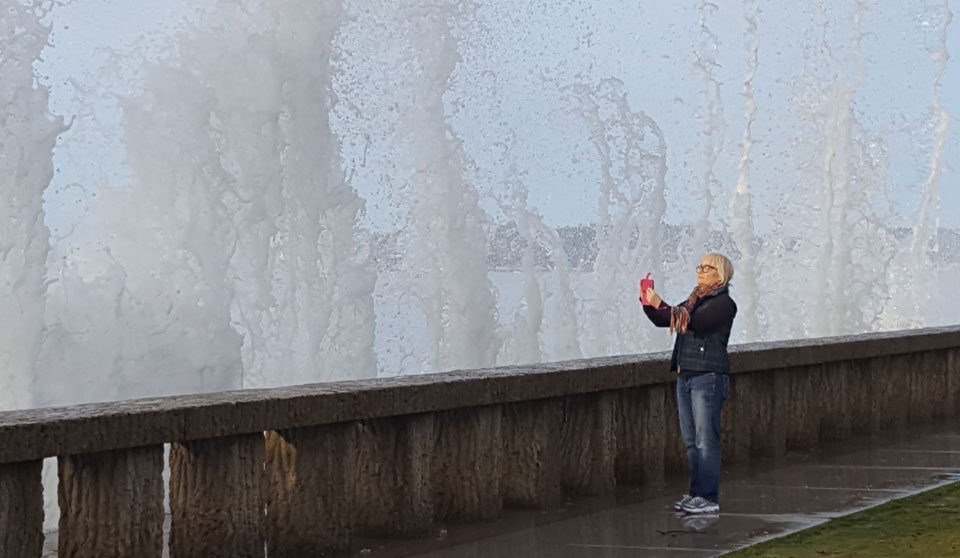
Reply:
x=303, y=469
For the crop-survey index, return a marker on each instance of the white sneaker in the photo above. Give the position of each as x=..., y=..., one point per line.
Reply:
x=700, y=505
x=678, y=505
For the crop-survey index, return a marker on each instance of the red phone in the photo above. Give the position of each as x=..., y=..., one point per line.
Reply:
x=645, y=283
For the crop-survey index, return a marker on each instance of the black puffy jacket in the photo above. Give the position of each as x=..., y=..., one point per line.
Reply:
x=703, y=348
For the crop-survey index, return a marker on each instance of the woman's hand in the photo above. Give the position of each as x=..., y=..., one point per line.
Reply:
x=653, y=298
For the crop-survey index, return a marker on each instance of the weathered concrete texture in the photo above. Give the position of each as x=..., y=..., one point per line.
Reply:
x=767, y=428
x=832, y=395
x=948, y=397
x=906, y=370
x=311, y=481
x=674, y=452
x=928, y=383
x=394, y=487
x=873, y=416
x=640, y=439
x=37, y=433
x=735, y=421
x=466, y=466
x=913, y=387
x=215, y=498
x=801, y=418
x=915, y=375
x=21, y=510
x=953, y=382
x=531, y=453
x=111, y=504
x=861, y=392
x=588, y=444
x=890, y=390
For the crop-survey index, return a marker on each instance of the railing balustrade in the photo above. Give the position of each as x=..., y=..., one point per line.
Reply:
x=303, y=470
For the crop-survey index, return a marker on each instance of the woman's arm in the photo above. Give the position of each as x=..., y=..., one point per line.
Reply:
x=711, y=314
x=659, y=316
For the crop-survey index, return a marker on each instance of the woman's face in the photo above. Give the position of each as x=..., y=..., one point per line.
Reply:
x=707, y=275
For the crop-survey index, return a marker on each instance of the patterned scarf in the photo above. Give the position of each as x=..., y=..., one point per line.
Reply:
x=680, y=314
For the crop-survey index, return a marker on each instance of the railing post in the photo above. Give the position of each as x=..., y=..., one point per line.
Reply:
x=111, y=504
x=588, y=446
x=780, y=380
x=467, y=464
x=831, y=381
x=736, y=419
x=640, y=435
x=531, y=454
x=311, y=483
x=888, y=392
x=674, y=451
x=953, y=382
x=929, y=386
x=863, y=397
x=758, y=425
x=21, y=509
x=395, y=485
x=802, y=414
x=215, y=498
x=903, y=370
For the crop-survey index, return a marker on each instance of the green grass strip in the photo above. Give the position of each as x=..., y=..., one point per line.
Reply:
x=926, y=525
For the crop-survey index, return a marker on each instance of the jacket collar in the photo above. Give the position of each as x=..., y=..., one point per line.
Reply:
x=721, y=290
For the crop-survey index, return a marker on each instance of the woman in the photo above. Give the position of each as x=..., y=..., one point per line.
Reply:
x=702, y=324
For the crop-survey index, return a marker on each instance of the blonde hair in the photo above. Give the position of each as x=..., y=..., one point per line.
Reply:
x=723, y=264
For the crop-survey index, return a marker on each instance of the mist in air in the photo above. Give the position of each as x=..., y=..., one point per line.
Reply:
x=225, y=194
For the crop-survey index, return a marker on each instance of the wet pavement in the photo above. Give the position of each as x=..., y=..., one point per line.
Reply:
x=758, y=502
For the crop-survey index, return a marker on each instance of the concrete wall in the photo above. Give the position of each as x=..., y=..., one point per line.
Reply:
x=393, y=457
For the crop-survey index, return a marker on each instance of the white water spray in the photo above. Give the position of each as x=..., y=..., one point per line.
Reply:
x=228, y=251
x=843, y=295
x=446, y=241
x=741, y=219
x=524, y=345
x=924, y=247
x=231, y=259
x=28, y=133
x=706, y=60
x=564, y=340
x=546, y=318
x=633, y=166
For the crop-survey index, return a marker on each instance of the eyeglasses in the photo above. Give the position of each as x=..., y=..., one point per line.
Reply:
x=705, y=268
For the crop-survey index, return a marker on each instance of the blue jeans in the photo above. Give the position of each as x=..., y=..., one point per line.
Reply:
x=700, y=402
